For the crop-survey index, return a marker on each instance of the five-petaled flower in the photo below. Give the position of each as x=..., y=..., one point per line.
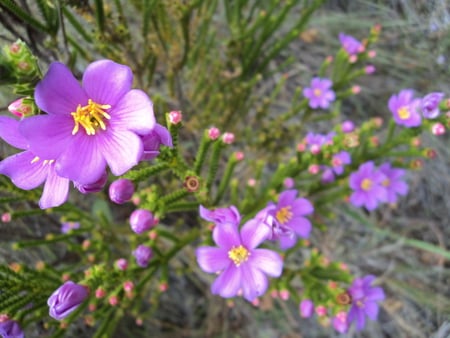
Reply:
x=320, y=94
x=240, y=265
x=91, y=126
x=405, y=109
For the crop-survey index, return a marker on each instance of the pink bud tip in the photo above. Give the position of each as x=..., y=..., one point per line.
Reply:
x=228, y=138
x=213, y=133
x=175, y=117
x=438, y=129
x=239, y=155
x=6, y=217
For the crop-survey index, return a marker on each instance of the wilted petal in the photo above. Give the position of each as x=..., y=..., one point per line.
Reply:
x=59, y=91
x=48, y=135
x=228, y=283
x=254, y=232
x=56, y=190
x=9, y=132
x=106, y=82
x=122, y=150
x=134, y=112
x=22, y=172
x=212, y=259
x=268, y=261
x=254, y=282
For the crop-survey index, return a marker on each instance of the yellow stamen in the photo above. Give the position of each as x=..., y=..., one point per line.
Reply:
x=284, y=215
x=366, y=184
x=34, y=160
x=238, y=255
x=404, y=113
x=386, y=182
x=90, y=117
x=317, y=92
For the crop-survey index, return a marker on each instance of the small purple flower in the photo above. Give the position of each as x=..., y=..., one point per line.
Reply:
x=141, y=220
x=320, y=93
x=350, y=44
x=143, y=254
x=393, y=182
x=327, y=175
x=340, y=322
x=66, y=299
x=347, y=126
x=367, y=185
x=306, y=308
x=430, y=105
x=27, y=171
x=286, y=219
x=405, y=109
x=153, y=141
x=121, y=190
x=316, y=141
x=11, y=329
x=365, y=300
x=67, y=226
x=91, y=126
x=221, y=215
x=339, y=160
x=240, y=265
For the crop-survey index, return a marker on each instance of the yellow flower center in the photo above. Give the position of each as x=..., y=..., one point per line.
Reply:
x=238, y=255
x=404, y=113
x=317, y=92
x=386, y=182
x=90, y=117
x=366, y=184
x=284, y=215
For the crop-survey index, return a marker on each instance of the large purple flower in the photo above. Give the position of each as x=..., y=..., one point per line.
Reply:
x=393, y=182
x=320, y=94
x=66, y=299
x=240, y=265
x=27, y=171
x=90, y=126
x=405, y=109
x=365, y=300
x=287, y=220
x=367, y=185
x=350, y=44
x=11, y=329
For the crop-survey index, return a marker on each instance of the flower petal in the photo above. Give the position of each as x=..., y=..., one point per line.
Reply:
x=59, y=91
x=228, y=283
x=9, y=132
x=287, y=197
x=371, y=310
x=301, y=226
x=301, y=206
x=134, y=112
x=226, y=235
x=212, y=259
x=121, y=149
x=268, y=261
x=375, y=294
x=254, y=232
x=56, y=190
x=287, y=242
x=106, y=82
x=82, y=161
x=22, y=172
x=254, y=282
x=48, y=135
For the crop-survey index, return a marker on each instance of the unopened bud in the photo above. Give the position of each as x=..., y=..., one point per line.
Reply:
x=213, y=133
x=175, y=117
x=228, y=138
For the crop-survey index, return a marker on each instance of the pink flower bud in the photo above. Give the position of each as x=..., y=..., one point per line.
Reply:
x=122, y=264
x=314, y=169
x=356, y=90
x=329, y=59
x=321, y=310
x=6, y=217
x=370, y=69
x=128, y=286
x=14, y=48
x=19, y=108
x=92, y=307
x=86, y=244
x=213, y=133
x=438, y=129
x=371, y=54
x=315, y=149
x=288, y=182
x=353, y=58
x=301, y=147
x=239, y=155
x=175, y=117
x=228, y=138
x=163, y=286
x=100, y=292
x=251, y=182
x=121, y=191
x=113, y=300
x=284, y=294
x=139, y=321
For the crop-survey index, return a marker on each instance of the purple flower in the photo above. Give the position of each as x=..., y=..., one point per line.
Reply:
x=316, y=141
x=405, y=109
x=90, y=126
x=306, y=308
x=66, y=299
x=27, y=171
x=141, y=220
x=221, y=215
x=67, y=226
x=350, y=44
x=240, y=265
x=430, y=105
x=327, y=175
x=340, y=322
x=121, y=190
x=339, y=160
x=320, y=93
x=286, y=219
x=11, y=329
x=143, y=254
x=347, y=126
x=367, y=185
x=153, y=141
x=393, y=182
x=364, y=301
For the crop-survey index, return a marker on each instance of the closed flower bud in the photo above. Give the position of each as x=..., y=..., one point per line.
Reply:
x=20, y=108
x=141, y=220
x=6, y=217
x=175, y=117
x=306, y=308
x=10, y=329
x=143, y=254
x=228, y=138
x=121, y=190
x=121, y=264
x=213, y=133
x=66, y=299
